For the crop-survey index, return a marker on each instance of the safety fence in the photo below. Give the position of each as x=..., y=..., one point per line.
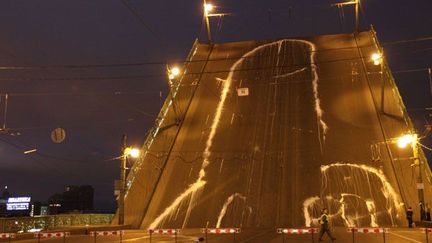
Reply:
x=51, y=235
x=96, y=234
x=284, y=232
x=354, y=231
x=8, y=236
x=427, y=231
x=174, y=232
x=219, y=231
x=291, y=231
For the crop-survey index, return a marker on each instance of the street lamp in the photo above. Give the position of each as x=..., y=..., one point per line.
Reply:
x=413, y=140
x=132, y=152
x=208, y=8
x=173, y=73
x=357, y=16
x=404, y=140
x=376, y=58
x=126, y=152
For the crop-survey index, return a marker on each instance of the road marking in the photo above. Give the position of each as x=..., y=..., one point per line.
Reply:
x=232, y=118
x=220, y=168
x=404, y=237
x=207, y=119
x=135, y=239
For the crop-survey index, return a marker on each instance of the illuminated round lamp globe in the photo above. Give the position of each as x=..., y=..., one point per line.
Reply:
x=175, y=71
x=403, y=141
x=132, y=152
x=208, y=7
x=376, y=58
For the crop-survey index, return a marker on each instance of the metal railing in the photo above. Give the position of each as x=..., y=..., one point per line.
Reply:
x=24, y=224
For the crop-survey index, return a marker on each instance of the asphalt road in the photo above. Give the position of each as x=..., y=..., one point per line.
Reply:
x=270, y=133
x=252, y=236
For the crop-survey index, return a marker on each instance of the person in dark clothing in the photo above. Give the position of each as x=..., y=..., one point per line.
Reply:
x=325, y=225
x=409, y=215
x=428, y=212
x=422, y=212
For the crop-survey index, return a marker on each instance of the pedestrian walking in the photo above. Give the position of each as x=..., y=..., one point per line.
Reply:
x=324, y=223
x=409, y=216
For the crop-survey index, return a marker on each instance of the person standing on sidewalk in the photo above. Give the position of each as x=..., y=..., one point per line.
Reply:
x=409, y=215
x=324, y=225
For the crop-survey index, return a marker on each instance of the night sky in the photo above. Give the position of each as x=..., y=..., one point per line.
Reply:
x=97, y=69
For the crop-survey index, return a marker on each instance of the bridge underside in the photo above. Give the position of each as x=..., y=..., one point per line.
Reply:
x=265, y=134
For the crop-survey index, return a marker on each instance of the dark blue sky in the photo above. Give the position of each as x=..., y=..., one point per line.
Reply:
x=96, y=105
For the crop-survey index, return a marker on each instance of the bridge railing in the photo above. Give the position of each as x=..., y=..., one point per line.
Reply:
x=24, y=224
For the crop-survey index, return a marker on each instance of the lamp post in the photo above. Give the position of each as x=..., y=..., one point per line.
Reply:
x=357, y=15
x=378, y=59
x=413, y=140
x=126, y=152
x=357, y=10
x=403, y=142
x=208, y=8
x=173, y=74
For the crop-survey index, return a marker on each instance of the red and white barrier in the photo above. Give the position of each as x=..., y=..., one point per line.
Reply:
x=164, y=231
x=106, y=233
x=221, y=231
x=368, y=230
x=426, y=230
x=297, y=231
x=52, y=235
x=7, y=236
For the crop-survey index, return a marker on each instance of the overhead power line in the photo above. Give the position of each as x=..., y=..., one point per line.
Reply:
x=16, y=94
x=164, y=63
x=141, y=77
x=135, y=13
x=428, y=38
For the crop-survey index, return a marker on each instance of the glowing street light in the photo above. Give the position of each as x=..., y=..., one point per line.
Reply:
x=127, y=152
x=407, y=139
x=376, y=58
x=413, y=140
x=173, y=72
x=357, y=16
x=208, y=7
x=132, y=152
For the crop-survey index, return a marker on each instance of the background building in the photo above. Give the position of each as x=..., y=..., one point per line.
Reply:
x=74, y=199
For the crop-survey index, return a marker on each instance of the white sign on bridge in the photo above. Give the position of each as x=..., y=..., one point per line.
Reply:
x=243, y=91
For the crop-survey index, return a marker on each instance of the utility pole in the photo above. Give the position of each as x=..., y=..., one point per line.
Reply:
x=122, y=180
x=3, y=129
x=207, y=9
x=382, y=82
x=357, y=16
x=430, y=79
x=357, y=12
x=419, y=166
